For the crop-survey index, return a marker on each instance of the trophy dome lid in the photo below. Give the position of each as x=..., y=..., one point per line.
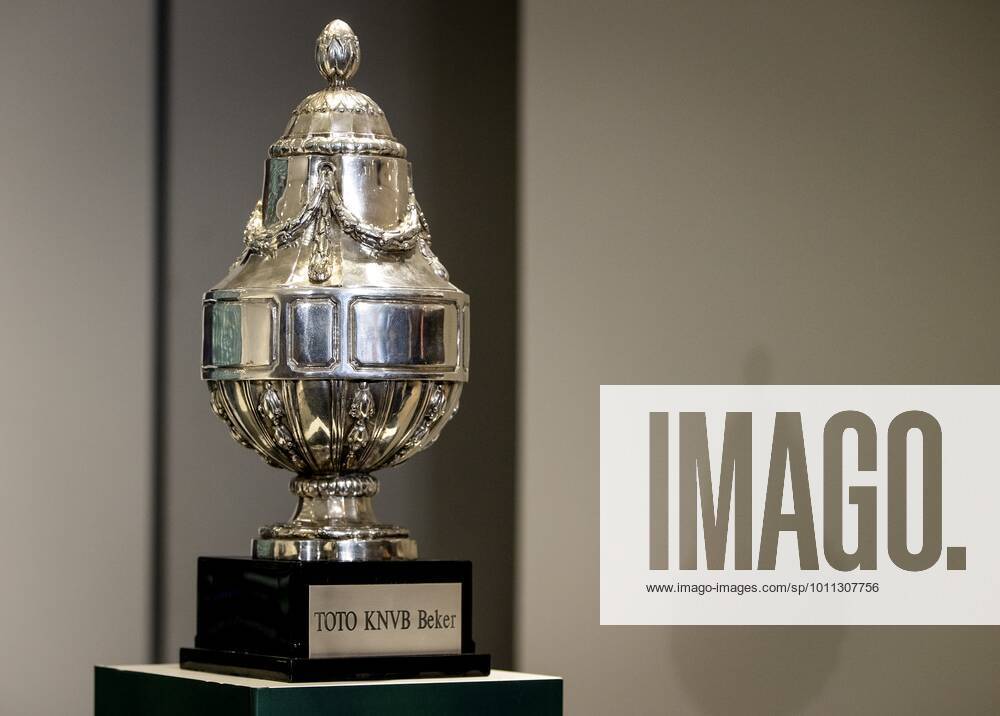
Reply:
x=338, y=119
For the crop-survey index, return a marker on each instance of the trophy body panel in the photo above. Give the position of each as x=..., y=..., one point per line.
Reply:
x=373, y=194
x=350, y=333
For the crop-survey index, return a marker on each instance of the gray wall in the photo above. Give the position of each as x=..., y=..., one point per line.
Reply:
x=76, y=142
x=794, y=192
x=445, y=75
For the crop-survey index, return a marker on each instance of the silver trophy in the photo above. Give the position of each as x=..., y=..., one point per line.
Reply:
x=336, y=344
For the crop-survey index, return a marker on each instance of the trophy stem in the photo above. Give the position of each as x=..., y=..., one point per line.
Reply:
x=335, y=521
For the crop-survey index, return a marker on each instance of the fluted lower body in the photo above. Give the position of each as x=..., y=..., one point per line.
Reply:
x=332, y=433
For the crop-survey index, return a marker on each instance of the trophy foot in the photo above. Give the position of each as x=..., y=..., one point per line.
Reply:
x=335, y=550
x=334, y=521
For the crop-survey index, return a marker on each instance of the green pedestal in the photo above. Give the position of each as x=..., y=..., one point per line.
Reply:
x=162, y=689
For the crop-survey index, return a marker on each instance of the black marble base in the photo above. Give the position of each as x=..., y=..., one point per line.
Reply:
x=254, y=620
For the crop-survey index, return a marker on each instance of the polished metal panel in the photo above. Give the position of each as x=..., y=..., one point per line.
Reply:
x=240, y=334
x=312, y=335
x=383, y=619
x=336, y=343
x=403, y=333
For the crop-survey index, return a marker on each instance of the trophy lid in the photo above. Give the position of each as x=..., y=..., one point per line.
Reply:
x=338, y=119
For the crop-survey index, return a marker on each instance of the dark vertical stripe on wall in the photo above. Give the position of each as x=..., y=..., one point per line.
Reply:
x=158, y=421
x=471, y=204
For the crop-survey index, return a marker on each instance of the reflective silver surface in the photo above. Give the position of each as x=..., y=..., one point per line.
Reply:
x=403, y=633
x=336, y=343
x=336, y=332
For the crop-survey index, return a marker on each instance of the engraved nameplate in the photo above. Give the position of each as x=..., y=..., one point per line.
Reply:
x=385, y=619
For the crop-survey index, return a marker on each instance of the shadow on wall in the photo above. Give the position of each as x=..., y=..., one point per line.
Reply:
x=755, y=670
x=727, y=670
x=758, y=368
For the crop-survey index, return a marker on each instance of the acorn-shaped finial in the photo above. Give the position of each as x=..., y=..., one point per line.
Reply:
x=338, y=53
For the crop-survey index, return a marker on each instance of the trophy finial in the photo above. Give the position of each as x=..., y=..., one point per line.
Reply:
x=338, y=53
